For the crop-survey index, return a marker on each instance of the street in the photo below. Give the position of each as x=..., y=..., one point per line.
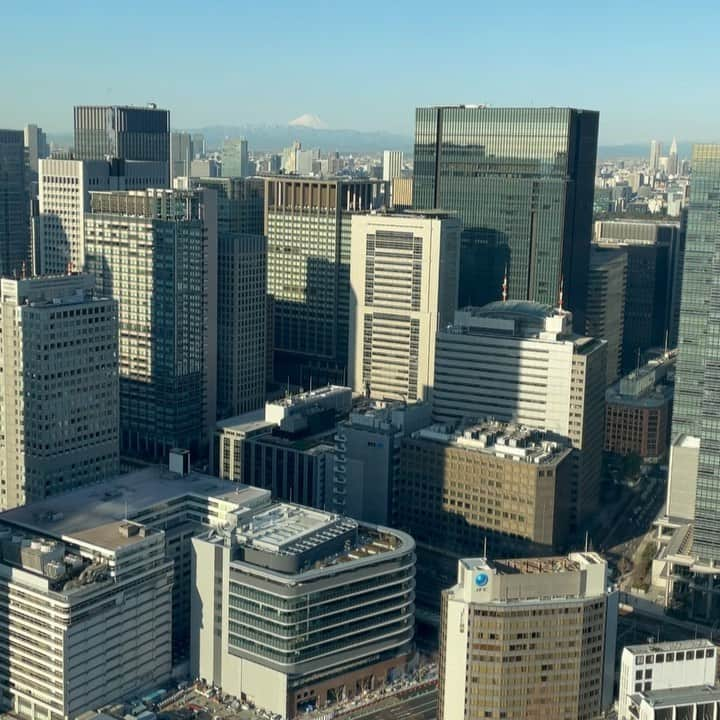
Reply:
x=417, y=706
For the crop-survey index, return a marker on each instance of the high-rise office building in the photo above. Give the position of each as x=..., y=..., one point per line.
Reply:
x=235, y=159
x=242, y=295
x=392, y=164
x=14, y=205
x=655, y=153
x=125, y=132
x=298, y=608
x=308, y=227
x=182, y=153
x=526, y=639
x=64, y=198
x=199, y=145
x=605, y=309
x=673, y=164
x=697, y=390
x=654, y=256
x=520, y=362
x=521, y=180
x=58, y=387
x=403, y=288
x=155, y=251
x=36, y=146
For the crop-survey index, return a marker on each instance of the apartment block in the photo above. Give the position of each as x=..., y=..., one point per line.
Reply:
x=59, y=421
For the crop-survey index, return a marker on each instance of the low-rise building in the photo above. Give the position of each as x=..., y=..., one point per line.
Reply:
x=491, y=485
x=693, y=703
x=664, y=666
x=527, y=639
x=297, y=608
x=367, y=457
x=95, y=587
x=638, y=410
x=288, y=448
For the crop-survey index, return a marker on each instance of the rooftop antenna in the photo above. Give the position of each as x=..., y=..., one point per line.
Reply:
x=587, y=540
x=637, y=369
x=560, y=294
x=485, y=547
x=505, y=285
x=667, y=333
x=24, y=270
x=126, y=510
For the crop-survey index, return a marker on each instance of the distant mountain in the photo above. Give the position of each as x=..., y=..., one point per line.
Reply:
x=266, y=138
x=309, y=121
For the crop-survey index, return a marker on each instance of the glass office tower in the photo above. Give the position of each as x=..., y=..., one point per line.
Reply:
x=130, y=133
x=697, y=386
x=521, y=180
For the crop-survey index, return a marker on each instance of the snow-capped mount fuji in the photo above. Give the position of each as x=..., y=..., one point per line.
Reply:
x=309, y=121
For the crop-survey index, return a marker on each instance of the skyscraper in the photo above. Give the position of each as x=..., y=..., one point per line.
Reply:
x=58, y=387
x=182, y=153
x=64, y=198
x=673, y=164
x=403, y=288
x=523, y=639
x=155, y=251
x=521, y=180
x=14, y=207
x=36, y=146
x=308, y=227
x=242, y=294
x=391, y=169
x=697, y=388
x=605, y=311
x=129, y=133
x=235, y=159
x=655, y=153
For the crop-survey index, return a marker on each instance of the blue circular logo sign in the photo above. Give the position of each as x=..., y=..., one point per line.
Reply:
x=481, y=579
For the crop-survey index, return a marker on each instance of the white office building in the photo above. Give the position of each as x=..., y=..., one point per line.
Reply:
x=664, y=666
x=64, y=190
x=59, y=402
x=403, y=279
x=519, y=361
x=95, y=587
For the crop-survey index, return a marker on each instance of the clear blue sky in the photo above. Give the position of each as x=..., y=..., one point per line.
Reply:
x=650, y=68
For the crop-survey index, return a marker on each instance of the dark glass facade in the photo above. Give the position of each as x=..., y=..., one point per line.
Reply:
x=14, y=209
x=521, y=180
x=130, y=133
x=697, y=384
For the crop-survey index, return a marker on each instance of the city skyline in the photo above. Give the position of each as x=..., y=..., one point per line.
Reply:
x=501, y=56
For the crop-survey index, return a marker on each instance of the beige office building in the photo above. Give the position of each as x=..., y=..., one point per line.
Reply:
x=403, y=287
x=59, y=419
x=528, y=640
x=520, y=361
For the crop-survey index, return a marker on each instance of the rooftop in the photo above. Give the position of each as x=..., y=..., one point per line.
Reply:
x=512, y=441
x=292, y=529
x=669, y=646
x=678, y=696
x=83, y=512
x=535, y=566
